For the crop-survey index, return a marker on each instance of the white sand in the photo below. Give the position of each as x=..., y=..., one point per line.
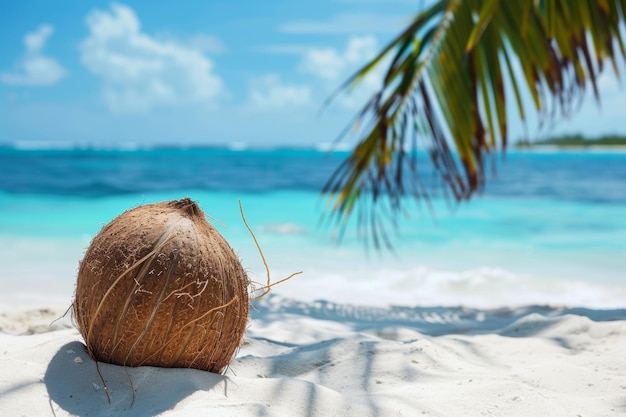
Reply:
x=325, y=359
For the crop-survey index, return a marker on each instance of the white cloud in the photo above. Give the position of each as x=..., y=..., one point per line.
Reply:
x=333, y=66
x=270, y=92
x=140, y=72
x=35, y=41
x=35, y=69
x=326, y=63
x=208, y=44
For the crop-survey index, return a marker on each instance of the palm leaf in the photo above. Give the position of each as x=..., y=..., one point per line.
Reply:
x=444, y=90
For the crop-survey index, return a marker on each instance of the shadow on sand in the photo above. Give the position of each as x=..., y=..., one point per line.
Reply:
x=72, y=380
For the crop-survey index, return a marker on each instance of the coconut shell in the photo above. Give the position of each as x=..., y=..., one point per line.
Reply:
x=160, y=286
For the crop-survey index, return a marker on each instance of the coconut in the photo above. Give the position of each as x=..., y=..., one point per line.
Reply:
x=160, y=286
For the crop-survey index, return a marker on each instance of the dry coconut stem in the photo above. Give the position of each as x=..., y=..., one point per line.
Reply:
x=268, y=286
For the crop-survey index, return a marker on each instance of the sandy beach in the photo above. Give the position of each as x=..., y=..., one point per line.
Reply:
x=434, y=197
x=327, y=359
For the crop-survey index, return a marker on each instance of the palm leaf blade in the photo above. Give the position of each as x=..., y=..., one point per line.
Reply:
x=446, y=86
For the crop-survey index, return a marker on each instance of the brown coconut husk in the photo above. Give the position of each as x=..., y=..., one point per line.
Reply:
x=160, y=286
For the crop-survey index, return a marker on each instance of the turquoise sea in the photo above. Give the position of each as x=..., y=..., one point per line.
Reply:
x=549, y=228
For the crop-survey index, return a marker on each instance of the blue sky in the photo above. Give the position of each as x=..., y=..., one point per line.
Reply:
x=238, y=72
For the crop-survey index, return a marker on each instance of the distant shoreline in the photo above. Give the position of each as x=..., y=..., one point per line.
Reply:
x=576, y=142
x=572, y=148
x=561, y=146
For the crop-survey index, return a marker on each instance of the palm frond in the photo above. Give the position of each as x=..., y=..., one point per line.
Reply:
x=444, y=90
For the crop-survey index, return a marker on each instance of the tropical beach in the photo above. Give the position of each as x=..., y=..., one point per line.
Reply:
x=333, y=208
x=536, y=325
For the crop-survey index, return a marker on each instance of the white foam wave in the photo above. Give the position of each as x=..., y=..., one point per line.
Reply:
x=43, y=145
x=479, y=288
x=41, y=267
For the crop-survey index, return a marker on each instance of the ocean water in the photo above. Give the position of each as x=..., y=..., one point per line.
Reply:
x=550, y=227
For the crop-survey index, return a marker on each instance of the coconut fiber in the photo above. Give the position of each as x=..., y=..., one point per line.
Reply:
x=160, y=286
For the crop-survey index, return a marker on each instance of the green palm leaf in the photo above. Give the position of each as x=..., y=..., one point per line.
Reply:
x=444, y=90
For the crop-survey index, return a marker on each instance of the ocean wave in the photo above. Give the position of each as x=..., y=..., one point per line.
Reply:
x=62, y=168
x=348, y=283
x=485, y=287
x=58, y=145
x=33, y=145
